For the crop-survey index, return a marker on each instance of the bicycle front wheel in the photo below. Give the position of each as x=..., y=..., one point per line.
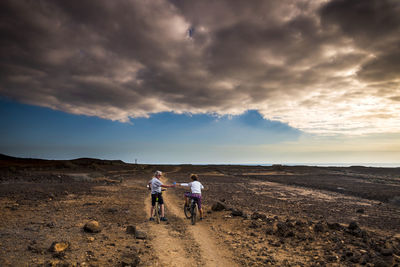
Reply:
x=157, y=212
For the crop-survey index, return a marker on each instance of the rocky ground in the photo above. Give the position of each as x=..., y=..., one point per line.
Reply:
x=89, y=212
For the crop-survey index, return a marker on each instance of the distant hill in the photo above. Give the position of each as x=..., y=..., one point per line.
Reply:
x=7, y=161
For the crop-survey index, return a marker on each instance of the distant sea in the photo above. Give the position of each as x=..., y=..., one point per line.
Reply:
x=376, y=165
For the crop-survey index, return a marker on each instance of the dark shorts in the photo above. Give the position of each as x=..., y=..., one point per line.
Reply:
x=160, y=199
x=194, y=196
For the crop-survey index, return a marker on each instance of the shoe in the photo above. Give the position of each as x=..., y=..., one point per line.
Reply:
x=163, y=219
x=151, y=219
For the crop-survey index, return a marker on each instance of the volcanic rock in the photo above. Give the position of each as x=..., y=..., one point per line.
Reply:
x=131, y=229
x=319, y=228
x=92, y=227
x=360, y=211
x=283, y=230
x=353, y=226
x=59, y=248
x=218, y=206
x=131, y=259
x=237, y=213
x=257, y=215
x=334, y=226
x=386, y=252
x=140, y=234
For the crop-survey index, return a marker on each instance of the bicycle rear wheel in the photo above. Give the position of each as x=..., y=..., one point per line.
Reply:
x=157, y=211
x=194, y=213
x=186, y=210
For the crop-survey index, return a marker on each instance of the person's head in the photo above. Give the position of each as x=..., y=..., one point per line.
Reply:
x=194, y=177
x=158, y=174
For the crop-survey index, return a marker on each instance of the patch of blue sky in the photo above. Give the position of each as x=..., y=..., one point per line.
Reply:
x=42, y=132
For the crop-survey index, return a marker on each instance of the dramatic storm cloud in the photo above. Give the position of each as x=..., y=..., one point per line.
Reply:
x=321, y=66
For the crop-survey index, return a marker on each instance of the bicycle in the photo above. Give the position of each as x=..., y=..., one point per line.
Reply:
x=157, y=209
x=191, y=210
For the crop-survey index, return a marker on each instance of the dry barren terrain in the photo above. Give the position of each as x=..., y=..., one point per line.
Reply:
x=89, y=212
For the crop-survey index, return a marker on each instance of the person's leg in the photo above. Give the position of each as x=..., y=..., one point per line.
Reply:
x=200, y=207
x=161, y=202
x=162, y=211
x=153, y=203
x=186, y=195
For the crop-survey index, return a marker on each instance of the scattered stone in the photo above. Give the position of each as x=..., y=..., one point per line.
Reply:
x=131, y=229
x=90, y=239
x=59, y=248
x=140, y=234
x=331, y=258
x=355, y=230
x=355, y=258
x=112, y=210
x=269, y=231
x=89, y=204
x=319, y=227
x=92, y=227
x=13, y=206
x=237, y=213
x=360, y=211
x=50, y=225
x=36, y=248
x=254, y=225
x=380, y=263
x=334, y=226
x=283, y=230
x=386, y=252
x=353, y=226
x=218, y=206
x=130, y=259
x=257, y=215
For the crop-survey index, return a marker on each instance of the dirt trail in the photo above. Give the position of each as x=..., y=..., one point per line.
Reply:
x=194, y=246
x=212, y=254
x=167, y=244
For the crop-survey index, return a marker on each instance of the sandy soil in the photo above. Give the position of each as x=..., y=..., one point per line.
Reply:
x=268, y=216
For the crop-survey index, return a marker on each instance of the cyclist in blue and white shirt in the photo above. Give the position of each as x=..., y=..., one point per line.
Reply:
x=195, y=192
x=155, y=186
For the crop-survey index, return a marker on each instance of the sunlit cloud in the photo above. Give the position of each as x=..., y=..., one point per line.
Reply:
x=324, y=67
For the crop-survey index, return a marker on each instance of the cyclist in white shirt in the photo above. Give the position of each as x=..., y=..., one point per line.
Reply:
x=195, y=192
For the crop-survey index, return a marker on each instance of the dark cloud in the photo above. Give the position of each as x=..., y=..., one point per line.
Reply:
x=308, y=63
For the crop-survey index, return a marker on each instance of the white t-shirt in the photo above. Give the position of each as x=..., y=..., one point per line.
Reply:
x=195, y=187
x=155, y=185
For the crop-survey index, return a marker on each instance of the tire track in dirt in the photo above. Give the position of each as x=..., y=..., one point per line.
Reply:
x=179, y=243
x=212, y=253
x=171, y=243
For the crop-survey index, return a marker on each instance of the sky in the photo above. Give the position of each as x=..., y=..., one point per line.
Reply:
x=181, y=81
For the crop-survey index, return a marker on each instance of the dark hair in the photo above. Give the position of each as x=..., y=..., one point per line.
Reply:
x=194, y=177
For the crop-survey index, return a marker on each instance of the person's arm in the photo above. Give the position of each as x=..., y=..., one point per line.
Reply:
x=167, y=186
x=184, y=184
